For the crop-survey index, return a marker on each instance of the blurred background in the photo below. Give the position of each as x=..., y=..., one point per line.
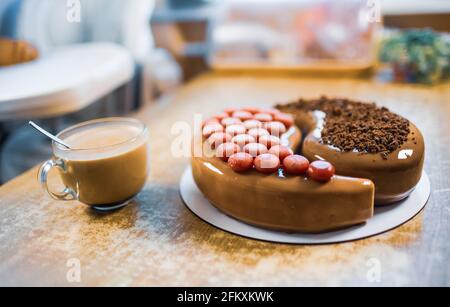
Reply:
x=66, y=61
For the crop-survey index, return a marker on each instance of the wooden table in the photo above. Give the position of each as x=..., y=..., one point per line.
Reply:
x=157, y=241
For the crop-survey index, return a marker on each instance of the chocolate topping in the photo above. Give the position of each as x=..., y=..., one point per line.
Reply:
x=356, y=126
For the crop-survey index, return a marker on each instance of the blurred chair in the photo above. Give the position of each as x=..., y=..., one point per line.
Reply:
x=103, y=65
x=48, y=25
x=66, y=80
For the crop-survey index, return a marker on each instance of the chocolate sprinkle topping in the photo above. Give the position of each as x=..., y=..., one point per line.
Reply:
x=356, y=126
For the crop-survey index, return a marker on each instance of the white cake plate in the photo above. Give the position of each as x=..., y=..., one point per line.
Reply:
x=386, y=218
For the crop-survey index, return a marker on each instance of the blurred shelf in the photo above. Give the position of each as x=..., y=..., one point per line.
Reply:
x=414, y=7
x=195, y=14
x=417, y=14
x=438, y=22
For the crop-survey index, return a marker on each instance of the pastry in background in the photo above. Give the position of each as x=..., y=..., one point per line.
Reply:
x=14, y=52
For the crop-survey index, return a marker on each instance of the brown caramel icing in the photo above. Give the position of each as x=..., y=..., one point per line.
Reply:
x=284, y=202
x=395, y=173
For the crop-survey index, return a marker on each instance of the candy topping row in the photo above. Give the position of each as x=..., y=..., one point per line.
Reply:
x=250, y=138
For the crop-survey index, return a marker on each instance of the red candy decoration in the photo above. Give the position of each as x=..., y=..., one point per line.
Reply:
x=263, y=117
x=270, y=111
x=252, y=110
x=269, y=140
x=228, y=121
x=296, y=165
x=255, y=149
x=258, y=132
x=243, y=115
x=252, y=124
x=218, y=138
x=267, y=163
x=234, y=130
x=230, y=111
x=221, y=116
x=240, y=162
x=275, y=128
x=212, y=128
x=281, y=151
x=321, y=171
x=243, y=139
x=210, y=121
x=226, y=150
x=284, y=118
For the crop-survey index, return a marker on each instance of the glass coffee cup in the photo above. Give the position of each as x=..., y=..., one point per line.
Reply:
x=106, y=166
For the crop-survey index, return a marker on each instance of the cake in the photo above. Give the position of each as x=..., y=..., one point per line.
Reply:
x=251, y=168
x=362, y=140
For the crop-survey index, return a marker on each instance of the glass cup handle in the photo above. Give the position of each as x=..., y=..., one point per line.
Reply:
x=67, y=194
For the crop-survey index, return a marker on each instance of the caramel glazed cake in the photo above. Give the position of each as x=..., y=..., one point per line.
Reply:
x=308, y=166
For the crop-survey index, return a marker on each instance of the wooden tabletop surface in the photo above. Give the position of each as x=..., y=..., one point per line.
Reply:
x=157, y=241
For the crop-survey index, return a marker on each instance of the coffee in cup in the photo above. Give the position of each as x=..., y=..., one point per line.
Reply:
x=106, y=165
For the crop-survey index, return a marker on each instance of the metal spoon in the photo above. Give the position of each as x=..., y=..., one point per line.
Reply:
x=48, y=134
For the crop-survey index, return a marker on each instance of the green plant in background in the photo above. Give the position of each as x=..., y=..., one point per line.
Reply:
x=421, y=56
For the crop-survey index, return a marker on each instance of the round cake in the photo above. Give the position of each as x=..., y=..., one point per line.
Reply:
x=269, y=196
x=307, y=166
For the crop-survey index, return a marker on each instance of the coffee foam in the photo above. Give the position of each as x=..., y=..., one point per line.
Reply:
x=99, y=142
